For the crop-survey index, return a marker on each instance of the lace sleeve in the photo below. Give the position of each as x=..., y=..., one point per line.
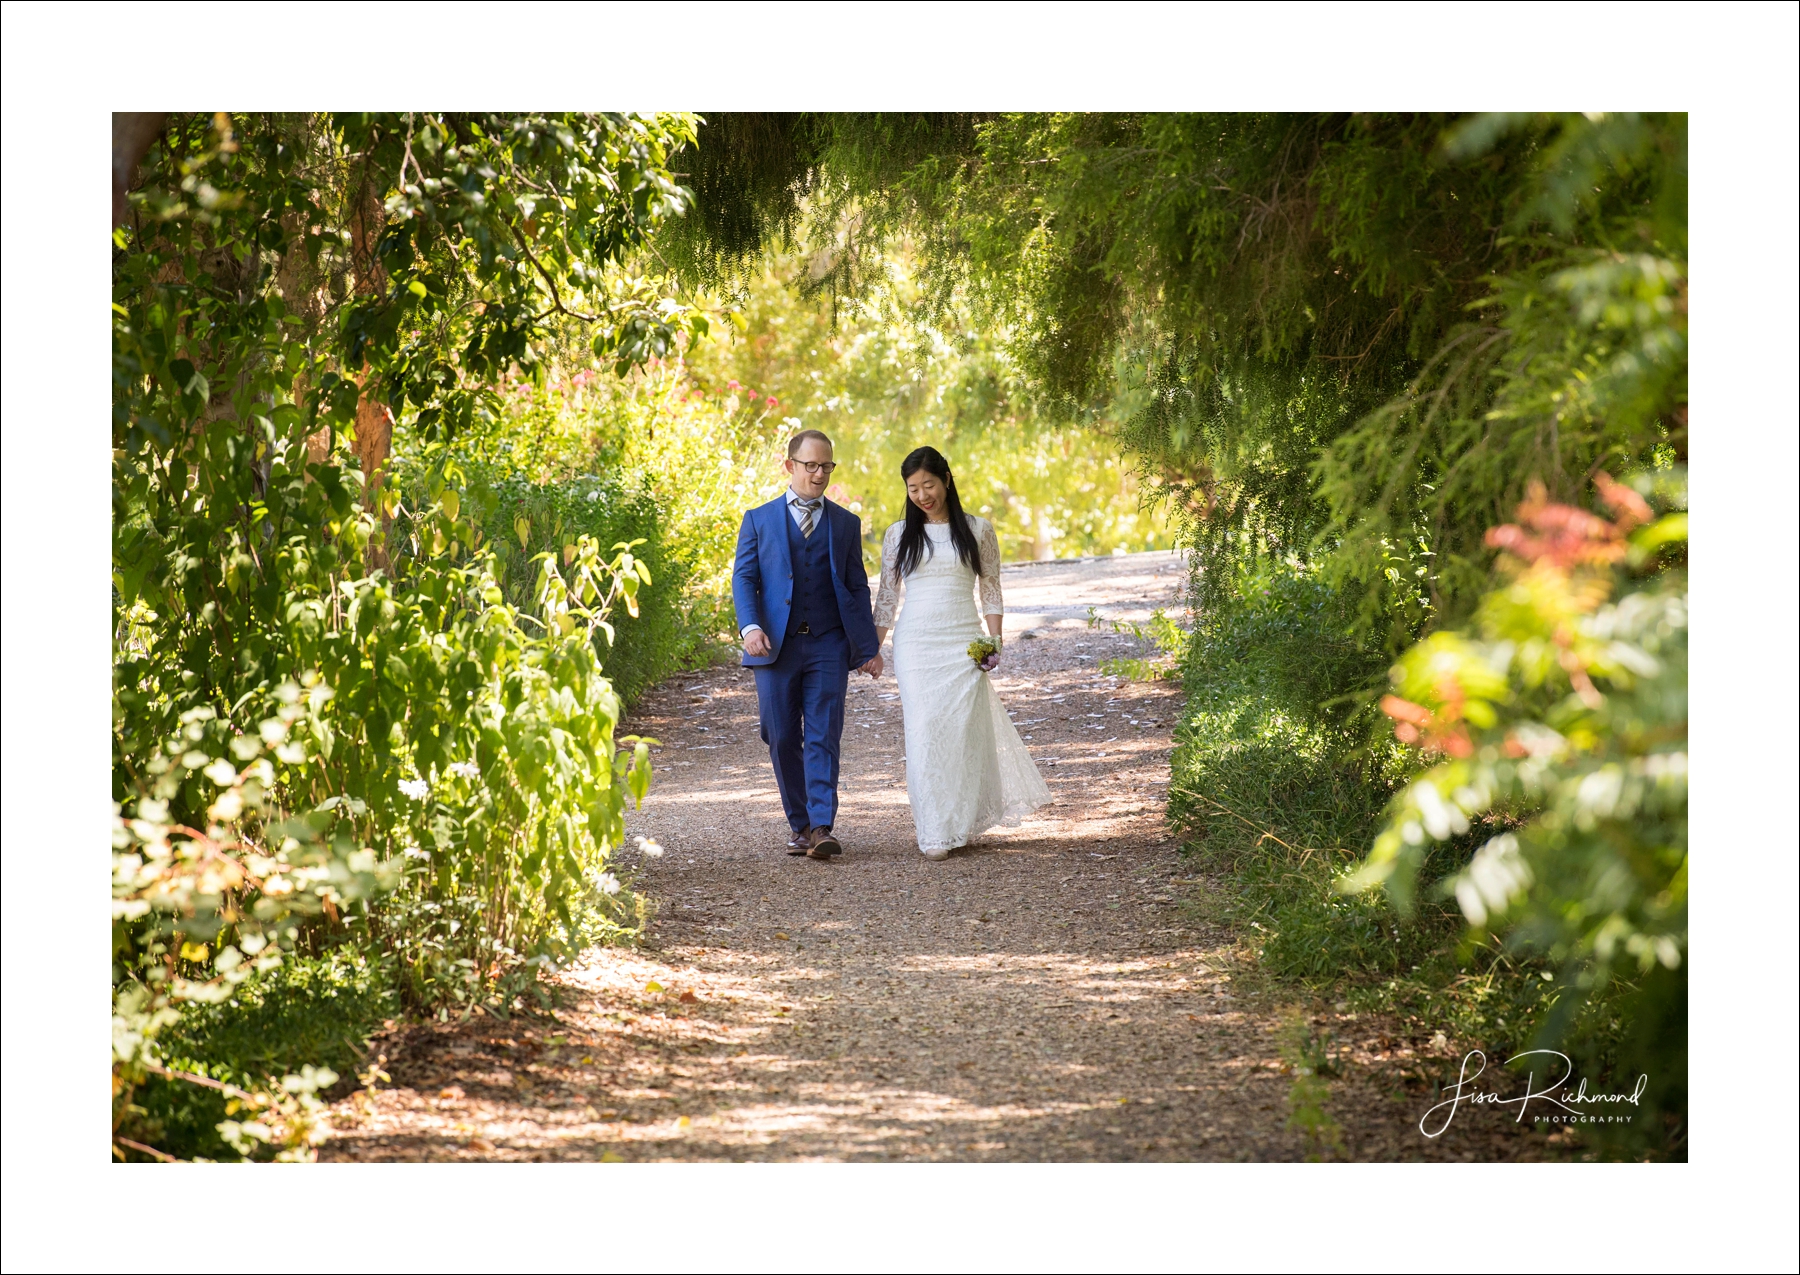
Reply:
x=989, y=578
x=887, y=597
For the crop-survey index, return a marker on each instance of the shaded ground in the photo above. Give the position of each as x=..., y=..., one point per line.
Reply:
x=1046, y=994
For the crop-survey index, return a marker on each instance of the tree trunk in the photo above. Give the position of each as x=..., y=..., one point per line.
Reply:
x=374, y=422
x=132, y=133
x=303, y=292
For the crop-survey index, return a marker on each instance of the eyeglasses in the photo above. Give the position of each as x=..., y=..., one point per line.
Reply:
x=817, y=466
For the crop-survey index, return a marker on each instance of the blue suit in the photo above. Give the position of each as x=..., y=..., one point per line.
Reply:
x=810, y=596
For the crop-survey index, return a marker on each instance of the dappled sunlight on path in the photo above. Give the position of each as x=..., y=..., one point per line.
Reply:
x=1045, y=994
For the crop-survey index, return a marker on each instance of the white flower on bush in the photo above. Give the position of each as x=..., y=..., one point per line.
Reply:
x=648, y=848
x=415, y=788
x=593, y=495
x=606, y=883
x=465, y=770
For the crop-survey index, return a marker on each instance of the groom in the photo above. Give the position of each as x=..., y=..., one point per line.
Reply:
x=803, y=610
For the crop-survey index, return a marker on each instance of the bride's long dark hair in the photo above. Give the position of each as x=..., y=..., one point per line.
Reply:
x=914, y=543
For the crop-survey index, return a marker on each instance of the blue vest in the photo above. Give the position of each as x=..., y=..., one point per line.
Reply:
x=815, y=600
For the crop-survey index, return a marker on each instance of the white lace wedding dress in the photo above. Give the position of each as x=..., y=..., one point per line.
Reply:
x=967, y=770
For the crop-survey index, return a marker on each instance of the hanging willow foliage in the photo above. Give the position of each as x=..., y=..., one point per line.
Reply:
x=1352, y=336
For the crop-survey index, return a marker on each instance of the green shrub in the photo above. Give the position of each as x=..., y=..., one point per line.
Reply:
x=317, y=1010
x=1162, y=646
x=199, y=915
x=1565, y=706
x=1272, y=749
x=316, y=736
x=1281, y=776
x=421, y=716
x=1275, y=780
x=517, y=519
x=650, y=460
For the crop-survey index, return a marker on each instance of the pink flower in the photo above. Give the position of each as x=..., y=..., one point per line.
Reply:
x=772, y=401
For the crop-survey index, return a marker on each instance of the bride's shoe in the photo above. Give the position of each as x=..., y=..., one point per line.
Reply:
x=935, y=855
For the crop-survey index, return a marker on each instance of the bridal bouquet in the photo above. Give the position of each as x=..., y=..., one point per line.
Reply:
x=982, y=649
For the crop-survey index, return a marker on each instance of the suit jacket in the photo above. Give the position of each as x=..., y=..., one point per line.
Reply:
x=762, y=581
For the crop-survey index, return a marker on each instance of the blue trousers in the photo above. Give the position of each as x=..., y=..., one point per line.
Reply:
x=801, y=697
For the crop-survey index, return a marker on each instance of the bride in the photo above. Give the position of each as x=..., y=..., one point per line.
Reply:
x=966, y=768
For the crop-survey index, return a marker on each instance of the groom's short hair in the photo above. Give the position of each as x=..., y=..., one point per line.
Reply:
x=801, y=437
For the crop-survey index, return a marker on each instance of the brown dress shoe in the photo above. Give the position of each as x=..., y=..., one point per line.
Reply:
x=823, y=844
x=800, y=842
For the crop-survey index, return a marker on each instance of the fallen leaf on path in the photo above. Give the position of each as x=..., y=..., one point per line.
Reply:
x=688, y=998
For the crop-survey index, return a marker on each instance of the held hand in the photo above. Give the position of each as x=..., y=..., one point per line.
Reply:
x=873, y=667
x=756, y=643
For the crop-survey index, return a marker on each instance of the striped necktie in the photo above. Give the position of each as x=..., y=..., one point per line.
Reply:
x=807, y=508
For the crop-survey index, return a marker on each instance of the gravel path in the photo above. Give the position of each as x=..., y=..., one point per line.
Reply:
x=1044, y=994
